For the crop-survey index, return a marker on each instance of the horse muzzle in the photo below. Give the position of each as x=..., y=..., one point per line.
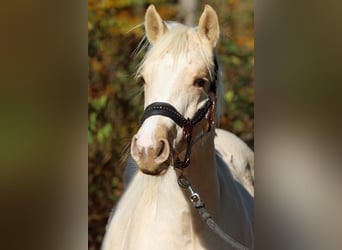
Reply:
x=151, y=151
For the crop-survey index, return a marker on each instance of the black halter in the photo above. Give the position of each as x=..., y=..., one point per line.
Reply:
x=165, y=109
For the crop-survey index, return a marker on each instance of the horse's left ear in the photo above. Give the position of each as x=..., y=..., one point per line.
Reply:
x=208, y=26
x=154, y=25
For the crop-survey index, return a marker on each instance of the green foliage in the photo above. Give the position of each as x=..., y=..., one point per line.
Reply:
x=114, y=103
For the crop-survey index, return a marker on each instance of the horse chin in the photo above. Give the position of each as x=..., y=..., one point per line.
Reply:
x=161, y=170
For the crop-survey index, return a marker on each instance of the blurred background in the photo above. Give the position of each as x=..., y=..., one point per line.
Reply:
x=46, y=103
x=114, y=103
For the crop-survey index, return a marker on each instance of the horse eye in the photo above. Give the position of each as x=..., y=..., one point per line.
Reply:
x=199, y=82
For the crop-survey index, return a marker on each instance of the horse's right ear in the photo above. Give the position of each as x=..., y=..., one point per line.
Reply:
x=154, y=25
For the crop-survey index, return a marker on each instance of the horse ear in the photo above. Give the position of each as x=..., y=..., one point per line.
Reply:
x=208, y=26
x=154, y=25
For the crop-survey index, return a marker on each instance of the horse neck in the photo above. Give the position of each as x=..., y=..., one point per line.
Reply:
x=202, y=171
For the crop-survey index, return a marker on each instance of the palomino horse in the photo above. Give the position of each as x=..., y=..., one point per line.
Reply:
x=177, y=143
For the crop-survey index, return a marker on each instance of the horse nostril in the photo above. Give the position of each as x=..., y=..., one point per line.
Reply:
x=161, y=148
x=162, y=152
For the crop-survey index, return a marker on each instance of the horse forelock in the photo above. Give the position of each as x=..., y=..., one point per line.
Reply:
x=177, y=42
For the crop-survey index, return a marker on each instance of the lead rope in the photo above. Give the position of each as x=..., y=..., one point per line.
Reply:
x=205, y=215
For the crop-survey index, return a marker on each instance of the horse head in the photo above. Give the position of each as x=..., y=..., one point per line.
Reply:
x=179, y=69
